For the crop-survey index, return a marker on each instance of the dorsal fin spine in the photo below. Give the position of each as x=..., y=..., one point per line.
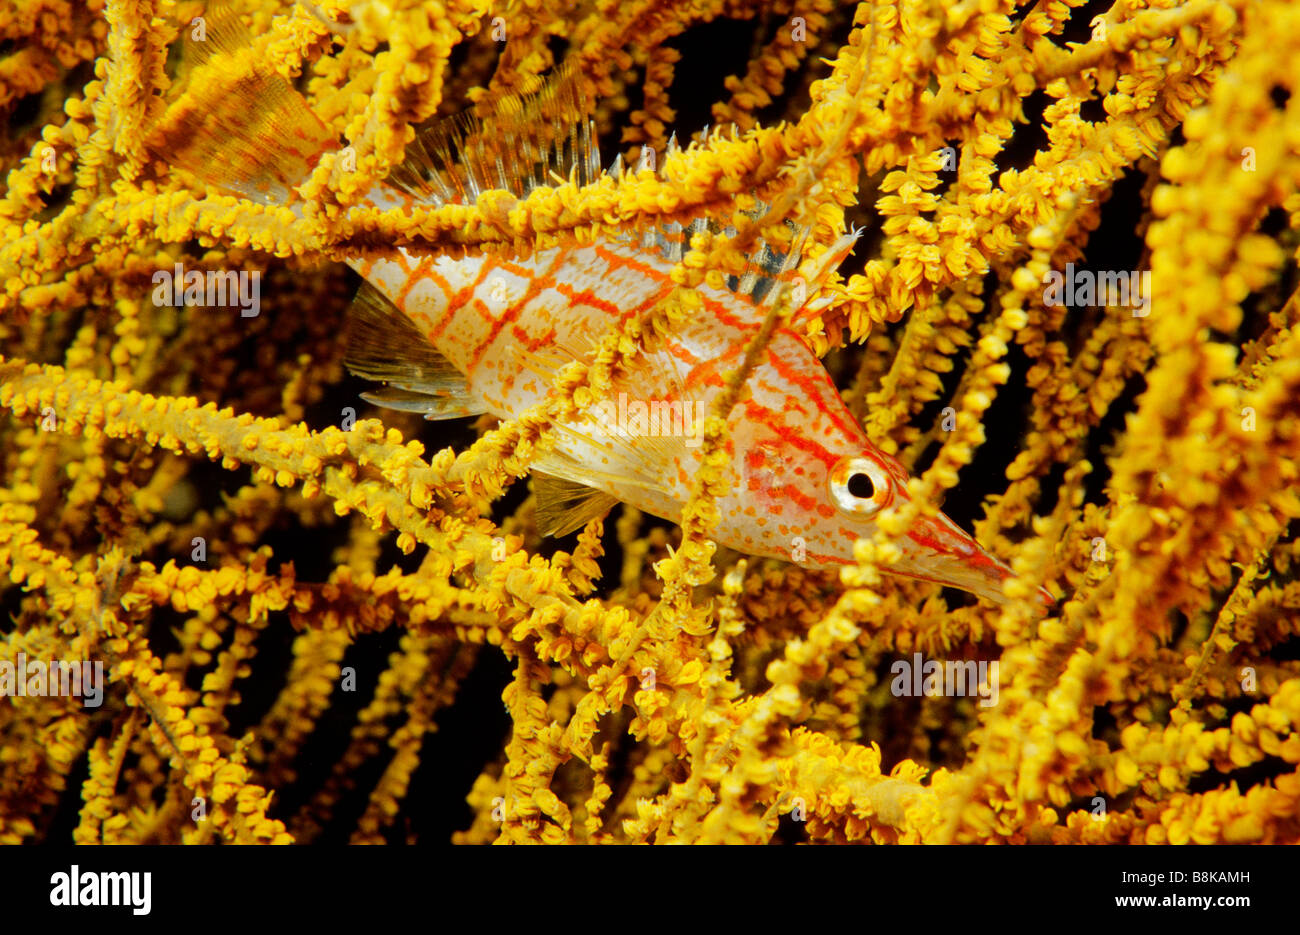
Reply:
x=515, y=145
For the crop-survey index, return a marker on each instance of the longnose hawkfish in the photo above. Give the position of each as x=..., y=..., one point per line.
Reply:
x=458, y=336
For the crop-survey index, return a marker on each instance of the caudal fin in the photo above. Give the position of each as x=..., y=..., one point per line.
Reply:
x=238, y=124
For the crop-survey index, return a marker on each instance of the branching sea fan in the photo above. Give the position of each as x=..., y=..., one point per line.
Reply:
x=863, y=422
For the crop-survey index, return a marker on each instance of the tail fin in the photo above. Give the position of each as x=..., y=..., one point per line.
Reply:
x=239, y=125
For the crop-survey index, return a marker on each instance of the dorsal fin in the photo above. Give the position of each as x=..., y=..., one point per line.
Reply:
x=517, y=143
x=384, y=345
x=564, y=505
x=819, y=270
x=520, y=142
x=764, y=264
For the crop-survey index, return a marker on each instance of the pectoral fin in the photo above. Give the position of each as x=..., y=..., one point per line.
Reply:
x=384, y=345
x=563, y=505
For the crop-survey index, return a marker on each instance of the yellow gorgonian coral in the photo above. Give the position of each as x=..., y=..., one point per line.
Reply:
x=1072, y=312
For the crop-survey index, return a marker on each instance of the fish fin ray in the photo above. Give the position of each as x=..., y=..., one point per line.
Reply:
x=766, y=264
x=819, y=270
x=546, y=363
x=224, y=33
x=383, y=345
x=517, y=142
x=433, y=408
x=238, y=125
x=564, y=505
x=590, y=454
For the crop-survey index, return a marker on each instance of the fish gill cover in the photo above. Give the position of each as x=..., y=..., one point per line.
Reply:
x=241, y=604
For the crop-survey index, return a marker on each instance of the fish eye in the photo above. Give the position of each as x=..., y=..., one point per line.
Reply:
x=859, y=485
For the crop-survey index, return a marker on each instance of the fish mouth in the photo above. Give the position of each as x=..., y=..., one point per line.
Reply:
x=937, y=549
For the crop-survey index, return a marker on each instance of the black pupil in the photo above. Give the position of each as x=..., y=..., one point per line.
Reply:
x=861, y=487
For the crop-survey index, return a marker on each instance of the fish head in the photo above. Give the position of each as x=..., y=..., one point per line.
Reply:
x=863, y=485
x=813, y=484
